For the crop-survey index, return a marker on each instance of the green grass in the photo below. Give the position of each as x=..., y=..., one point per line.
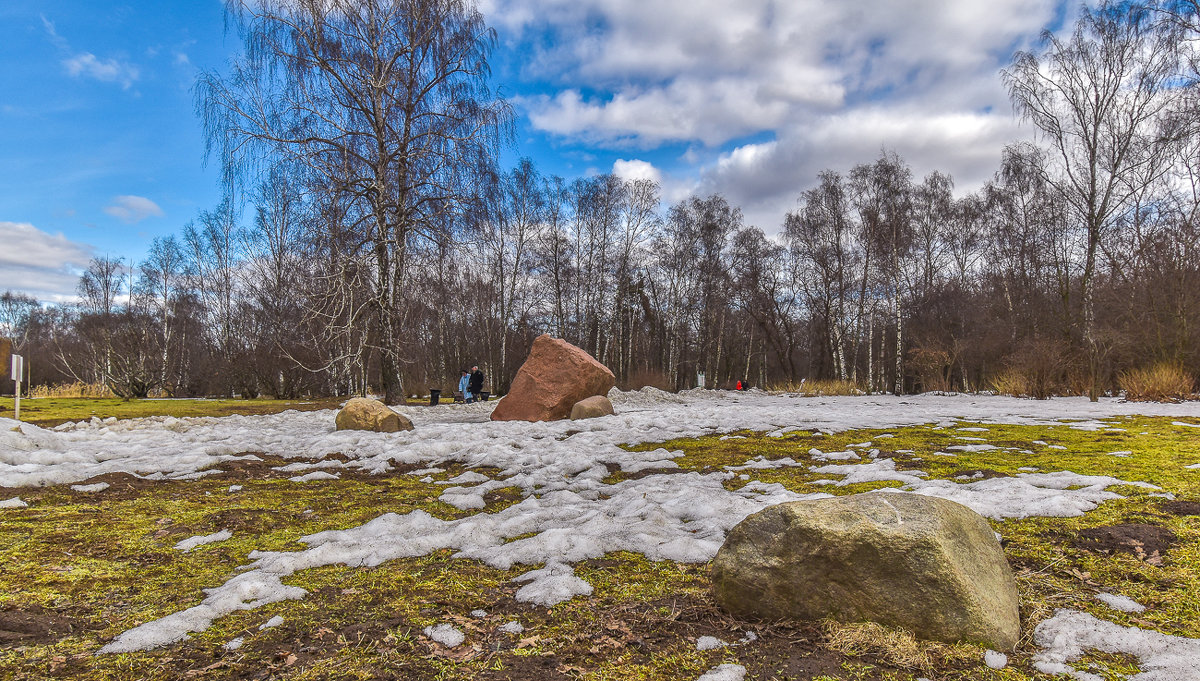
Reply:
x=51, y=411
x=104, y=563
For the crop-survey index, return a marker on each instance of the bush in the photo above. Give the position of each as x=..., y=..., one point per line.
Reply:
x=1040, y=369
x=1163, y=382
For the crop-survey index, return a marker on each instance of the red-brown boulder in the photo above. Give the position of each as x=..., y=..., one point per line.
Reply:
x=553, y=379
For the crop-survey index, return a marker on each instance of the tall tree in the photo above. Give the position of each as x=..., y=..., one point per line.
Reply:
x=1103, y=101
x=387, y=101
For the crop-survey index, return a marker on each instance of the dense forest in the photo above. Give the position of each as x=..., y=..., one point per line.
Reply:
x=370, y=241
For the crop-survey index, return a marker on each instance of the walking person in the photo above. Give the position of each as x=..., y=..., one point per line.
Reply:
x=464, y=386
x=475, y=385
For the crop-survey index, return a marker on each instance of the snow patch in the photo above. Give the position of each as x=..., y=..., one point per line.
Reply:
x=15, y=502
x=446, y=634
x=98, y=487
x=995, y=660
x=316, y=475
x=1070, y=634
x=710, y=643
x=725, y=672
x=192, y=542
x=1119, y=602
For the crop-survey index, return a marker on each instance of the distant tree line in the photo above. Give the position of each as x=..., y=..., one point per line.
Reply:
x=383, y=248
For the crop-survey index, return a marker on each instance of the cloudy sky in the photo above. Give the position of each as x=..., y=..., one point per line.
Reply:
x=100, y=150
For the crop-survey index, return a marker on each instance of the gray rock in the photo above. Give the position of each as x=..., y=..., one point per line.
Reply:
x=592, y=407
x=361, y=413
x=928, y=565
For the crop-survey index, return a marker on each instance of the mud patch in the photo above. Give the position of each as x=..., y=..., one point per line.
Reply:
x=1146, y=542
x=34, y=625
x=1181, y=507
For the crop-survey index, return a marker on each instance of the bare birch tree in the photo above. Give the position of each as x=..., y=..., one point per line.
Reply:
x=386, y=101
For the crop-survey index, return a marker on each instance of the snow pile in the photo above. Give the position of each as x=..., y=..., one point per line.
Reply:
x=709, y=643
x=446, y=634
x=15, y=502
x=1122, y=603
x=725, y=672
x=234, y=644
x=513, y=627
x=1070, y=634
x=192, y=542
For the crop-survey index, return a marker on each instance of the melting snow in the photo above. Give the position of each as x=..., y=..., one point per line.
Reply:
x=15, y=502
x=725, y=672
x=98, y=487
x=192, y=542
x=995, y=660
x=1118, y=602
x=1070, y=634
x=709, y=643
x=568, y=514
x=446, y=634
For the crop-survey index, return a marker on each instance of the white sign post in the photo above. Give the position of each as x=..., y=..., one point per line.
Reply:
x=18, y=370
x=699, y=379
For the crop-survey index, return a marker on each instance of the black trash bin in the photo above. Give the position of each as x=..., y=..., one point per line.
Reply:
x=483, y=397
x=434, y=396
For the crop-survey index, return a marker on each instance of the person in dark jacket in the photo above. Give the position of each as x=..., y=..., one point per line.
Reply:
x=475, y=385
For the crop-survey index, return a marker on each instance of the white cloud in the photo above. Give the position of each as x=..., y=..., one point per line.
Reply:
x=44, y=265
x=767, y=93
x=86, y=64
x=133, y=209
x=105, y=70
x=636, y=170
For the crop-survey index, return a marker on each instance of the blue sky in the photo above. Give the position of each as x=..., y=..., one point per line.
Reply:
x=100, y=149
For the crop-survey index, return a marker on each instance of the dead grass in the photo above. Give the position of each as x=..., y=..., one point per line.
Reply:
x=1162, y=382
x=816, y=388
x=71, y=390
x=895, y=647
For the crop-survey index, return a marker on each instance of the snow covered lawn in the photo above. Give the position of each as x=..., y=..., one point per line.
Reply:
x=592, y=537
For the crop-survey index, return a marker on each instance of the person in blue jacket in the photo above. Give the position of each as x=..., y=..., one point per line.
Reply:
x=464, y=385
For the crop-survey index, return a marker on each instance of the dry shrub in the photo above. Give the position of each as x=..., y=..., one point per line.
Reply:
x=819, y=388
x=931, y=365
x=76, y=389
x=1040, y=369
x=1162, y=382
x=896, y=647
x=1010, y=382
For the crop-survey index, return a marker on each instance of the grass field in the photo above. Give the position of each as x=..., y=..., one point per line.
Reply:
x=51, y=411
x=82, y=567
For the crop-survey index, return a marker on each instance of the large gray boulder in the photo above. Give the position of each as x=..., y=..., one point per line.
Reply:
x=928, y=565
x=361, y=413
